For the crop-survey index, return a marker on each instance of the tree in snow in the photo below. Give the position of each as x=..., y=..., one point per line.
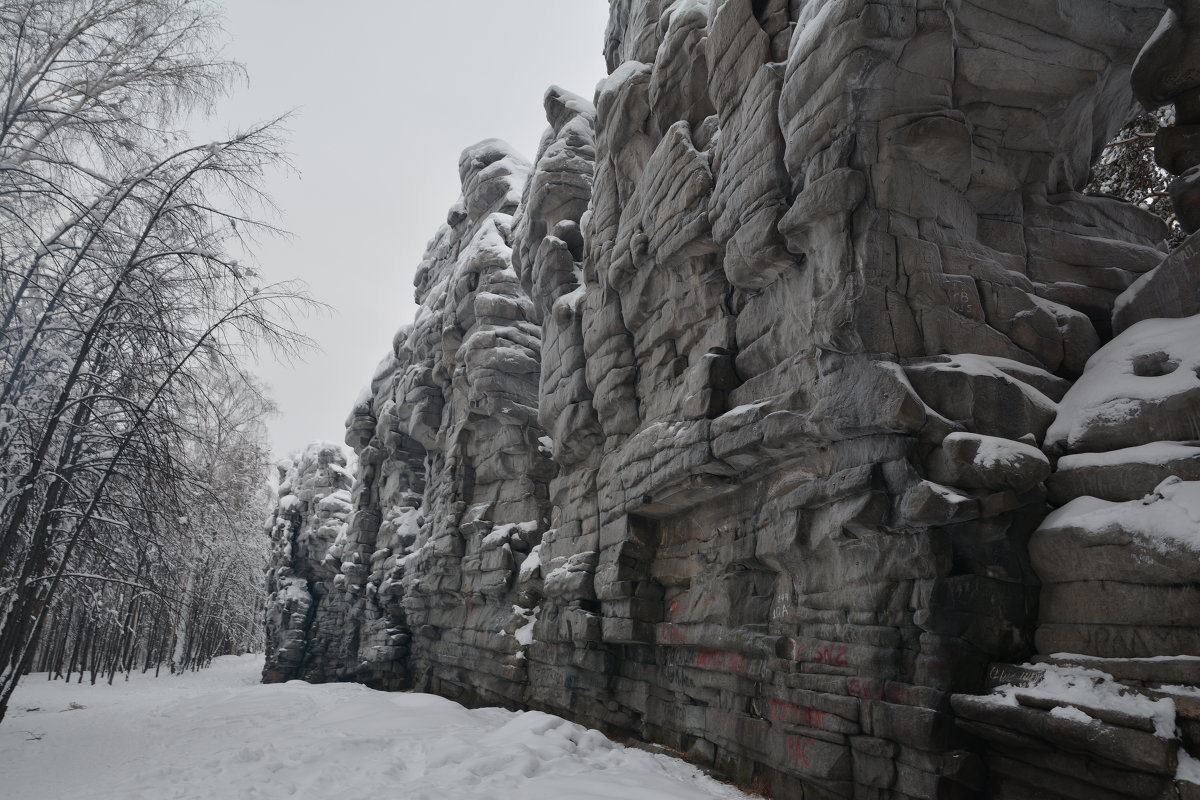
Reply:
x=1127, y=170
x=124, y=319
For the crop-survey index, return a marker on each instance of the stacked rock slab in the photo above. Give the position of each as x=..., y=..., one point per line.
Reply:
x=1118, y=632
x=722, y=424
x=1109, y=708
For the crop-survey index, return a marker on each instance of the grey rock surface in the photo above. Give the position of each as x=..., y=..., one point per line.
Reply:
x=726, y=423
x=1168, y=71
x=1171, y=289
x=1120, y=475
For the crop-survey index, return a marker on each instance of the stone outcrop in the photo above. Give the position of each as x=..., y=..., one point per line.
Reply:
x=1118, y=631
x=1168, y=72
x=309, y=607
x=730, y=422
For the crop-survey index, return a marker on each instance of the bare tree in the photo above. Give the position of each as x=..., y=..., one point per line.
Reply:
x=1127, y=169
x=193, y=589
x=123, y=307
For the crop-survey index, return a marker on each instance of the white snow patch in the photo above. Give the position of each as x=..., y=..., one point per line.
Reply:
x=1110, y=393
x=1022, y=376
x=995, y=452
x=219, y=734
x=1168, y=518
x=531, y=564
x=1188, y=770
x=617, y=78
x=1095, y=689
x=1081, y=657
x=496, y=538
x=745, y=408
x=295, y=589
x=1073, y=714
x=1153, y=453
x=524, y=634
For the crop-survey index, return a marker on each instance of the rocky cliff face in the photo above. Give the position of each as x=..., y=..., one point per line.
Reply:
x=728, y=423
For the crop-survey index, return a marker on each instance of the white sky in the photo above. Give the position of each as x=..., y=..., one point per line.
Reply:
x=389, y=92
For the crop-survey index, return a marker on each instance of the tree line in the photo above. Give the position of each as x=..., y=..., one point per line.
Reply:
x=132, y=455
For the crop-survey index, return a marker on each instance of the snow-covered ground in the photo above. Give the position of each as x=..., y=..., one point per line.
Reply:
x=219, y=734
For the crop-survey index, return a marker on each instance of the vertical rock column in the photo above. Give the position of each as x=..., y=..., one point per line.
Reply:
x=467, y=393
x=304, y=621
x=569, y=665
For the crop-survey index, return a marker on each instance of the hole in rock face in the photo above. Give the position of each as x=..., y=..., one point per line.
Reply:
x=1152, y=365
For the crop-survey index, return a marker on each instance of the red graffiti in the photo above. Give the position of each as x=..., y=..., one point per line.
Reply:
x=832, y=654
x=722, y=659
x=673, y=634
x=877, y=690
x=674, y=609
x=797, y=749
x=868, y=690
x=783, y=711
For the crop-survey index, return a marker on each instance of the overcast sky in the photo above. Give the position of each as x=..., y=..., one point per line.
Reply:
x=388, y=94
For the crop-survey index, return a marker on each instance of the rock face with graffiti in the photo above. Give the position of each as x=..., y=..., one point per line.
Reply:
x=791, y=396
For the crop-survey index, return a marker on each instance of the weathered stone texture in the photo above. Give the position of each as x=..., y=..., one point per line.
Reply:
x=307, y=609
x=727, y=422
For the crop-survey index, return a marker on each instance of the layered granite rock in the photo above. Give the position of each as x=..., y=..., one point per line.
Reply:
x=728, y=421
x=1108, y=709
x=308, y=607
x=465, y=391
x=1119, y=615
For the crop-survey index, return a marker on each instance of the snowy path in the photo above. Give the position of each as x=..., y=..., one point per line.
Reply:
x=220, y=735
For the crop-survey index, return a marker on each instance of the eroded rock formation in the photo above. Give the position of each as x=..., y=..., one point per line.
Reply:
x=728, y=422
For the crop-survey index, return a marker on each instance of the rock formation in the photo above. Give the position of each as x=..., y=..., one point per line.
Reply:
x=1168, y=72
x=733, y=421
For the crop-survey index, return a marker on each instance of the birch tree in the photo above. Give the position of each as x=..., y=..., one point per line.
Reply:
x=121, y=303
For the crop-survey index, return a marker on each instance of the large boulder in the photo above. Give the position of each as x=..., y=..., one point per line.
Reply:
x=1121, y=580
x=1143, y=386
x=1172, y=289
